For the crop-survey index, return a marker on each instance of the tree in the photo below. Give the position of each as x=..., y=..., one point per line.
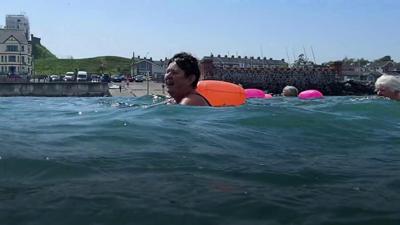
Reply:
x=386, y=58
x=302, y=61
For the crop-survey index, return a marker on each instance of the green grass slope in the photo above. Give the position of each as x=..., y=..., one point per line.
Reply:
x=41, y=52
x=106, y=64
x=46, y=63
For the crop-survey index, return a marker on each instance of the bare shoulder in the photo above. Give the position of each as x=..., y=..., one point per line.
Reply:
x=195, y=100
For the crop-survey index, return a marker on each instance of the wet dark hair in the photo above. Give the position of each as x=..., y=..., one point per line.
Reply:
x=188, y=64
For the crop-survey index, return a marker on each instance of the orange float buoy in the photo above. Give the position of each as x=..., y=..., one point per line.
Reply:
x=221, y=93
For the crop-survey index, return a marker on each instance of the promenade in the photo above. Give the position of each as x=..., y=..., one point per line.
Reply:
x=135, y=89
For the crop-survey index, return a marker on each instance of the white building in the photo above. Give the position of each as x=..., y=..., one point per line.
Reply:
x=155, y=69
x=15, y=53
x=18, y=22
x=15, y=46
x=158, y=69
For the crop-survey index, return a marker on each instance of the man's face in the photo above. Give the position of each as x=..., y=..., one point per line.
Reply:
x=175, y=79
x=385, y=92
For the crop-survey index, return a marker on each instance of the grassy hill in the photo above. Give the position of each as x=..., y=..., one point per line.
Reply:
x=111, y=65
x=47, y=63
x=41, y=52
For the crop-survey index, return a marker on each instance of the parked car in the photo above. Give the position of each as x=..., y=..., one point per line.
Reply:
x=95, y=78
x=105, y=78
x=82, y=76
x=131, y=79
x=15, y=77
x=139, y=78
x=118, y=78
x=69, y=76
x=54, y=78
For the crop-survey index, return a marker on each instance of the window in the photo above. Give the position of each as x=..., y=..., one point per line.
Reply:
x=22, y=48
x=12, y=58
x=12, y=48
x=23, y=59
x=2, y=58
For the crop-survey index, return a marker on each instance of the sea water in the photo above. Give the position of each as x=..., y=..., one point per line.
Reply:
x=127, y=161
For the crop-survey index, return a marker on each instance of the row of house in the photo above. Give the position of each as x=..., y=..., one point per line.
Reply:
x=156, y=68
x=245, y=62
x=271, y=75
x=369, y=72
x=15, y=47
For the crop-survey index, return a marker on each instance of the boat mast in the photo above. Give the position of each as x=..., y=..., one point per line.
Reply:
x=305, y=53
x=312, y=51
x=287, y=55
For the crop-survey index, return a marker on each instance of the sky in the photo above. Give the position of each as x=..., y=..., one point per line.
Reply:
x=278, y=29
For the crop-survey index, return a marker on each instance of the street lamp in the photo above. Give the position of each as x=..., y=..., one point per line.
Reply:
x=147, y=80
x=133, y=65
x=102, y=68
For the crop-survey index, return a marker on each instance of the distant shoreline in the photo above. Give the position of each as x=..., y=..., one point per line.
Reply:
x=136, y=89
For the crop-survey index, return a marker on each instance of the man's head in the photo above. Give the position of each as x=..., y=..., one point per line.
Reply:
x=290, y=91
x=388, y=86
x=188, y=64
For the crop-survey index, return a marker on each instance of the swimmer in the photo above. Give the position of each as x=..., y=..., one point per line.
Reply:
x=388, y=86
x=181, y=79
x=290, y=91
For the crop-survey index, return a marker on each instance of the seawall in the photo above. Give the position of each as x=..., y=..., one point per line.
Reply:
x=54, y=89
